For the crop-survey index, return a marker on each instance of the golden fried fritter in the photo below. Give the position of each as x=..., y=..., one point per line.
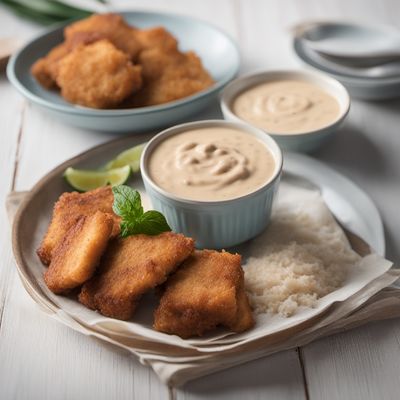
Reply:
x=206, y=291
x=67, y=211
x=83, y=38
x=92, y=75
x=111, y=27
x=168, y=75
x=129, y=268
x=156, y=37
x=77, y=256
x=45, y=70
x=84, y=32
x=244, y=317
x=98, y=75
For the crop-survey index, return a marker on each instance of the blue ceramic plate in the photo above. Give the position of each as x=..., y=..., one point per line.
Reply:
x=218, y=52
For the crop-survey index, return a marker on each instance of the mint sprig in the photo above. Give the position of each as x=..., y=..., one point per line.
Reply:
x=128, y=205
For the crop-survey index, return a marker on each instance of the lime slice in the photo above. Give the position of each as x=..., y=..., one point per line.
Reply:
x=84, y=180
x=129, y=157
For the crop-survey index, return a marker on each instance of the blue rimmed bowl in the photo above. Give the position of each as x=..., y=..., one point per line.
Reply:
x=215, y=224
x=210, y=43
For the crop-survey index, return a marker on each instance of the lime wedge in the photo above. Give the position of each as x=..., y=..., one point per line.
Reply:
x=129, y=157
x=84, y=180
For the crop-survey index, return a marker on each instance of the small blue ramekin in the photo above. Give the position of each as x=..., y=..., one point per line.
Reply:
x=215, y=224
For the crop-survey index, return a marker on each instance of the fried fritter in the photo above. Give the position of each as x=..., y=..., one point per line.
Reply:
x=77, y=256
x=111, y=27
x=83, y=38
x=206, y=291
x=98, y=75
x=67, y=211
x=86, y=78
x=131, y=267
x=84, y=32
x=45, y=70
x=156, y=37
x=167, y=76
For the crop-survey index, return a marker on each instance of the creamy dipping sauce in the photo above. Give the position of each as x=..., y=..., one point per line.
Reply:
x=211, y=164
x=287, y=106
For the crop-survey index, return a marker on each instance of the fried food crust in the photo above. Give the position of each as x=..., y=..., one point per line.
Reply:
x=109, y=26
x=207, y=291
x=156, y=37
x=77, y=256
x=131, y=267
x=98, y=75
x=84, y=32
x=45, y=70
x=67, y=211
x=168, y=75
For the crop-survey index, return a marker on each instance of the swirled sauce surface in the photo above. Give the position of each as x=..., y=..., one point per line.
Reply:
x=288, y=106
x=211, y=164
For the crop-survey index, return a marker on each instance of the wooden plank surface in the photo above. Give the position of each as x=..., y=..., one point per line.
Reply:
x=11, y=114
x=10, y=128
x=361, y=364
x=275, y=377
x=90, y=370
x=43, y=359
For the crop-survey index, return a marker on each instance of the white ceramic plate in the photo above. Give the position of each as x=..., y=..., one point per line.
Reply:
x=350, y=204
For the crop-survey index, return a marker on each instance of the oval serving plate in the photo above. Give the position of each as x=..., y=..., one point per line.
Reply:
x=34, y=214
x=218, y=52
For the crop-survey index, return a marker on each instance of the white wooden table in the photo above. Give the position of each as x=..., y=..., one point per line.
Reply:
x=41, y=359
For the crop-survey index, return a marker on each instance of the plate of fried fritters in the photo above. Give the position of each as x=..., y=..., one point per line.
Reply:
x=73, y=262
x=127, y=71
x=72, y=256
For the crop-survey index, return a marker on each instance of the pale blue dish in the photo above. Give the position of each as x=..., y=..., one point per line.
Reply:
x=215, y=224
x=217, y=50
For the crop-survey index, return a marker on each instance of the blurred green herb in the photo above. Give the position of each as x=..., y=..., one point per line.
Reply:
x=46, y=12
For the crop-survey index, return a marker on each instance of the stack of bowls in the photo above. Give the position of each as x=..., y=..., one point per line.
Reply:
x=365, y=78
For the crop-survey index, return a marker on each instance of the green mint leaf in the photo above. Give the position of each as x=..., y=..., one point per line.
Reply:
x=126, y=229
x=127, y=203
x=152, y=223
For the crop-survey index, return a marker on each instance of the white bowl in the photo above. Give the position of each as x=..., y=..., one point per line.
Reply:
x=215, y=224
x=372, y=89
x=302, y=142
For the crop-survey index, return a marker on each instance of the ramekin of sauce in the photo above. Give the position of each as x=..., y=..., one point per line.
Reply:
x=299, y=109
x=213, y=180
